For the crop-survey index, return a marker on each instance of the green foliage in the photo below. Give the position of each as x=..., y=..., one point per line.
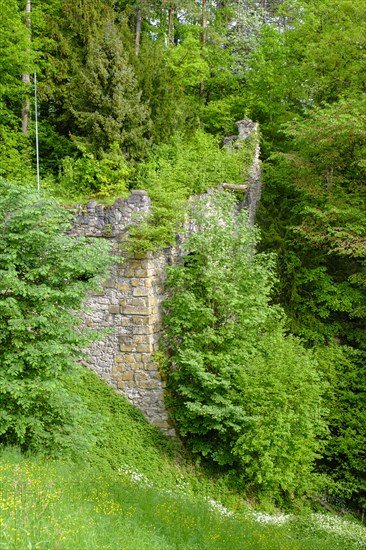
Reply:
x=344, y=457
x=87, y=176
x=242, y=393
x=188, y=63
x=47, y=504
x=178, y=170
x=161, y=90
x=16, y=58
x=273, y=92
x=104, y=98
x=127, y=439
x=332, y=140
x=319, y=185
x=45, y=276
x=296, y=67
x=332, y=60
x=130, y=490
x=312, y=215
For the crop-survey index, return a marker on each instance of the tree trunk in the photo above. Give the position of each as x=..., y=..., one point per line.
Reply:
x=138, y=31
x=170, y=37
x=25, y=76
x=203, y=40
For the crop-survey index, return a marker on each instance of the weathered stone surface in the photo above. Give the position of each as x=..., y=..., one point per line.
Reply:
x=126, y=347
x=128, y=306
x=141, y=291
x=127, y=375
x=123, y=287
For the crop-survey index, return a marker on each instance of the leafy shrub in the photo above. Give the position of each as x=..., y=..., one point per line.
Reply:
x=344, y=457
x=44, y=278
x=174, y=172
x=243, y=394
x=88, y=176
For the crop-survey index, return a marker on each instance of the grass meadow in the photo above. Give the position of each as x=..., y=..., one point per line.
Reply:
x=134, y=493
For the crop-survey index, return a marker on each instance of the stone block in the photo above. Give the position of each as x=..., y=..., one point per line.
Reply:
x=145, y=357
x=117, y=368
x=119, y=358
x=144, y=273
x=110, y=283
x=113, y=310
x=135, y=264
x=140, y=291
x=155, y=318
x=140, y=321
x=144, y=348
x=129, y=273
x=129, y=358
x=132, y=310
x=142, y=330
x=153, y=301
x=127, y=375
x=120, y=385
x=136, y=366
x=150, y=366
x=123, y=287
x=126, y=347
x=136, y=302
x=142, y=339
x=149, y=384
x=140, y=376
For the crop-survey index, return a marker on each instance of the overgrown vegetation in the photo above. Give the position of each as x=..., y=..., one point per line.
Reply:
x=243, y=394
x=45, y=276
x=145, y=500
x=179, y=170
x=140, y=95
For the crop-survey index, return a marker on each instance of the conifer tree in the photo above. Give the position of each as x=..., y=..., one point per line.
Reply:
x=105, y=100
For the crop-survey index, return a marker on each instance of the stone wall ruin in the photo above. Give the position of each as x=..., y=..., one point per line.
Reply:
x=129, y=305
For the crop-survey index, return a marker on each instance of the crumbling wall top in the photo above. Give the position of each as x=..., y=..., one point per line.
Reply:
x=99, y=220
x=246, y=127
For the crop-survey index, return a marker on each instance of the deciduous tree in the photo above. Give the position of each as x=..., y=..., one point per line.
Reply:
x=44, y=278
x=242, y=393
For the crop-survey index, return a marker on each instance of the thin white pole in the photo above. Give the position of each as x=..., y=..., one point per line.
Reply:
x=37, y=145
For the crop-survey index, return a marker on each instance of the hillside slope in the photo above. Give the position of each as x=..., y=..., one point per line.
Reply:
x=134, y=491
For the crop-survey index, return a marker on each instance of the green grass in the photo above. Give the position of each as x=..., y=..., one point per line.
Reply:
x=131, y=493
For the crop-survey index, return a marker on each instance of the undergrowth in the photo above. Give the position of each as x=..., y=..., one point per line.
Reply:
x=135, y=491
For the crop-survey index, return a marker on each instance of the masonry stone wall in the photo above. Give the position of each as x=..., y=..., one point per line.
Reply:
x=128, y=307
x=246, y=129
